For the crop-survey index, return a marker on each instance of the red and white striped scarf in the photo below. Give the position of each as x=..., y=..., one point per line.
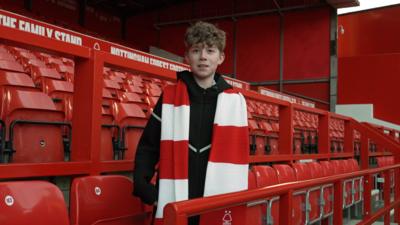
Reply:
x=227, y=169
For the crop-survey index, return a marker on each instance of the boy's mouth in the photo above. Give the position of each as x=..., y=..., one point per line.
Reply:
x=202, y=66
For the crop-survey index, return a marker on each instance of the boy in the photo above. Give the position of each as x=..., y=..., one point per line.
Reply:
x=197, y=132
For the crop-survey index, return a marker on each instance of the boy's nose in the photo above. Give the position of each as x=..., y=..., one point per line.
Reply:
x=203, y=54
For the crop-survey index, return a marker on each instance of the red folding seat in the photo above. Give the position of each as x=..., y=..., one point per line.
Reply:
x=136, y=83
x=18, y=80
x=61, y=93
x=6, y=56
x=35, y=127
x=116, y=79
x=68, y=62
x=271, y=135
x=340, y=167
x=110, y=130
x=153, y=90
x=275, y=111
x=11, y=66
x=316, y=171
x=108, y=99
x=67, y=72
x=32, y=202
x=106, y=200
x=119, y=74
x=258, y=139
x=131, y=120
x=38, y=74
x=250, y=108
x=358, y=182
x=286, y=174
x=13, y=80
x=151, y=101
x=3, y=48
x=298, y=141
x=303, y=172
x=15, y=50
x=112, y=86
x=42, y=55
x=53, y=60
x=262, y=109
x=29, y=63
x=327, y=170
x=266, y=176
x=254, y=211
x=133, y=77
x=23, y=56
x=134, y=89
x=130, y=97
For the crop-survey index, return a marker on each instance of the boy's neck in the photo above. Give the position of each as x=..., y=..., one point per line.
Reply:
x=206, y=82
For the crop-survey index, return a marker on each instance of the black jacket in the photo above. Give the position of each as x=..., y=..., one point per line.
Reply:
x=203, y=104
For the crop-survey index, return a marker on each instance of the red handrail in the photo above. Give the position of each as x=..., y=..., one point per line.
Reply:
x=178, y=212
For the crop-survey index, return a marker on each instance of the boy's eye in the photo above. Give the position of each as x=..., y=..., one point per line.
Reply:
x=210, y=50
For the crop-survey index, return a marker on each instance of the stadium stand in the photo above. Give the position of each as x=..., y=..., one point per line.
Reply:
x=37, y=121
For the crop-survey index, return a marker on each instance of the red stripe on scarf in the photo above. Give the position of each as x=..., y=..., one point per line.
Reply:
x=171, y=159
x=229, y=146
x=172, y=91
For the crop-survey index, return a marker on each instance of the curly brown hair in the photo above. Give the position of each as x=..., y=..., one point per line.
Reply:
x=202, y=32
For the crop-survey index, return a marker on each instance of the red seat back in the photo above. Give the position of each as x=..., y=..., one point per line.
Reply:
x=33, y=142
x=106, y=200
x=132, y=120
x=32, y=202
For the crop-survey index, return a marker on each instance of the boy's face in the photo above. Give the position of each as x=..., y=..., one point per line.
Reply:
x=204, y=60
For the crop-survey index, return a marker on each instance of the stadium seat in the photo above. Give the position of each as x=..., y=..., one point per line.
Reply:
x=131, y=120
x=316, y=213
x=115, y=78
x=106, y=200
x=13, y=79
x=34, y=128
x=67, y=72
x=327, y=170
x=11, y=66
x=112, y=86
x=32, y=202
x=61, y=93
x=6, y=56
x=151, y=101
x=53, y=61
x=133, y=88
x=286, y=174
x=38, y=74
x=254, y=211
x=312, y=209
x=266, y=176
x=110, y=132
x=258, y=139
x=358, y=182
x=348, y=184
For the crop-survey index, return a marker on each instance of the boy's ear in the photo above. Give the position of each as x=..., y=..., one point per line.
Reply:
x=186, y=57
x=221, y=58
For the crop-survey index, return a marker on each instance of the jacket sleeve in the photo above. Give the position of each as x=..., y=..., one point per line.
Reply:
x=147, y=157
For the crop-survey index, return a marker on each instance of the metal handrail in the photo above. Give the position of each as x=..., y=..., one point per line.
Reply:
x=177, y=213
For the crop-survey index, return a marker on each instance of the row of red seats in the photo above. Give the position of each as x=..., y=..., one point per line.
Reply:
x=45, y=72
x=309, y=205
x=93, y=200
x=262, y=109
x=32, y=142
